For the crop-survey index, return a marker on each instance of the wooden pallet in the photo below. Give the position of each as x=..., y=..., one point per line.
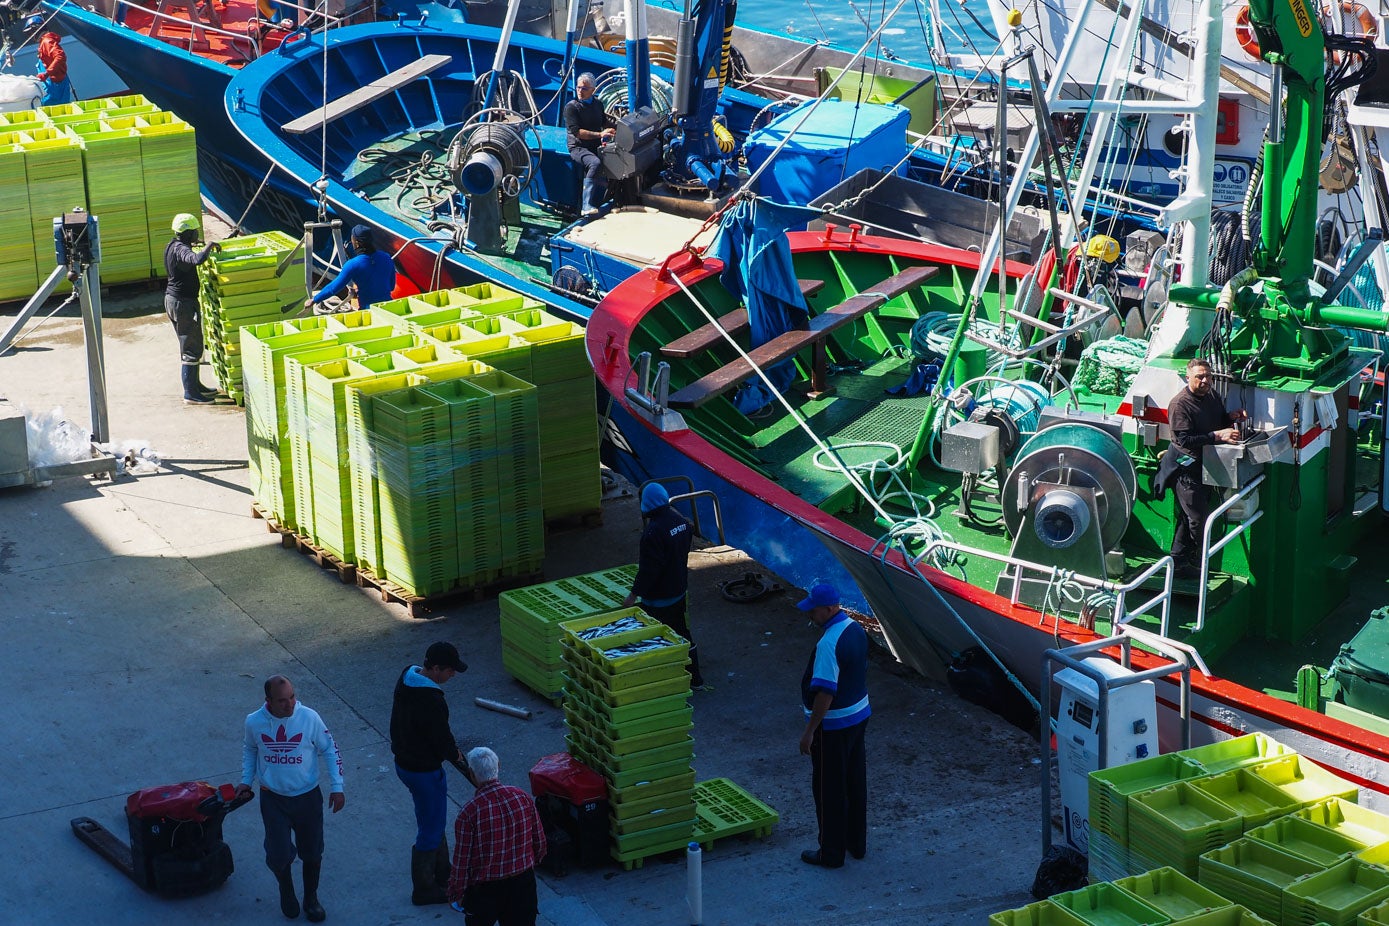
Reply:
x=422, y=605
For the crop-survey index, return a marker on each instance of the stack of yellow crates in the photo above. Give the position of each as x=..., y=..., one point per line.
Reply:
x=18, y=264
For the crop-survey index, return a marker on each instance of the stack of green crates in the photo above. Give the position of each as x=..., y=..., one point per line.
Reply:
x=264, y=348
x=627, y=707
x=1253, y=874
x=240, y=287
x=53, y=173
x=115, y=188
x=1109, y=790
x=413, y=449
x=169, y=159
x=1175, y=825
x=1336, y=896
x=532, y=641
x=519, y=471
x=18, y=259
x=362, y=472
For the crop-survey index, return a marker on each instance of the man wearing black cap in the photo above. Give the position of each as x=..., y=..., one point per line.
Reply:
x=372, y=271
x=834, y=692
x=422, y=742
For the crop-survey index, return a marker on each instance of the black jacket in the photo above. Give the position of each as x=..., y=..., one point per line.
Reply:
x=663, y=569
x=181, y=265
x=420, y=734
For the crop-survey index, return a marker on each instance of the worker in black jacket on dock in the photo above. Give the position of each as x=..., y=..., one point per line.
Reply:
x=422, y=742
x=1197, y=417
x=663, y=573
x=181, y=303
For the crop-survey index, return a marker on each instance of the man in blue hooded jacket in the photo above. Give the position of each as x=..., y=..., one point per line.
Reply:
x=663, y=573
x=370, y=270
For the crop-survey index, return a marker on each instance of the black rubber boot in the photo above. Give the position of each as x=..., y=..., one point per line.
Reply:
x=313, y=910
x=426, y=889
x=193, y=393
x=443, y=864
x=289, y=903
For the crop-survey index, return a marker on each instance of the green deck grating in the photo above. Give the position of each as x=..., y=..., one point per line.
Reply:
x=723, y=809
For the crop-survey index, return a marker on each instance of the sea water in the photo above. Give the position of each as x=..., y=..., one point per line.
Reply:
x=847, y=24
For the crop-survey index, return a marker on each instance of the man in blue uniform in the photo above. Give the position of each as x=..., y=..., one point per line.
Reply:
x=834, y=692
x=181, y=303
x=663, y=573
x=372, y=271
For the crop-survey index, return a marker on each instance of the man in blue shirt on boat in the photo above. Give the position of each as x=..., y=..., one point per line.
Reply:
x=371, y=271
x=587, y=127
x=834, y=693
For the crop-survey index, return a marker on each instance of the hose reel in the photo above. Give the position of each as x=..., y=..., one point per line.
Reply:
x=490, y=161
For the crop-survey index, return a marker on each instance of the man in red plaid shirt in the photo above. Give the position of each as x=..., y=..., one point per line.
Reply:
x=498, y=840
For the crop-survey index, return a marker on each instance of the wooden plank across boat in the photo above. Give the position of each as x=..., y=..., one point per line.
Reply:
x=366, y=95
x=735, y=322
x=785, y=346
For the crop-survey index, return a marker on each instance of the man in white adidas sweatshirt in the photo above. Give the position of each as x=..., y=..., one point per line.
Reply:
x=284, y=744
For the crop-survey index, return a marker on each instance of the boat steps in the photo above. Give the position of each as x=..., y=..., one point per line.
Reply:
x=787, y=345
x=735, y=322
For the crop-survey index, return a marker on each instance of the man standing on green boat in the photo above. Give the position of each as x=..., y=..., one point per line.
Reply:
x=1197, y=417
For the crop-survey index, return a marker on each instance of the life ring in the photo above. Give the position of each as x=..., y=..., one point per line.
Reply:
x=1244, y=34
x=1369, y=26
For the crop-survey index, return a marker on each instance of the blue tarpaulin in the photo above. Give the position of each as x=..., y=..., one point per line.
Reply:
x=759, y=272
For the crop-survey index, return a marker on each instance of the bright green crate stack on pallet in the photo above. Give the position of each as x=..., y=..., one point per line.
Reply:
x=532, y=640
x=1349, y=820
x=169, y=158
x=74, y=112
x=724, y=809
x=1104, y=904
x=263, y=351
x=569, y=416
x=518, y=472
x=362, y=475
x=491, y=299
x=1172, y=893
x=307, y=424
x=413, y=450
x=116, y=195
x=475, y=482
x=240, y=287
x=1256, y=801
x=415, y=313
x=22, y=120
x=1298, y=836
x=617, y=661
x=18, y=264
x=53, y=174
x=1336, y=896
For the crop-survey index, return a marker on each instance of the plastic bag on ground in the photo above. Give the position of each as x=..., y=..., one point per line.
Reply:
x=53, y=440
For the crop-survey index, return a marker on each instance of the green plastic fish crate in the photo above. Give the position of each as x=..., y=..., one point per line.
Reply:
x=571, y=629
x=1175, y=825
x=1172, y=893
x=1336, y=895
x=1242, y=751
x=1304, y=781
x=1375, y=916
x=1351, y=820
x=1042, y=913
x=677, y=684
x=632, y=850
x=1253, y=874
x=1105, y=905
x=725, y=809
x=632, y=712
x=1226, y=916
x=683, y=781
x=1306, y=840
x=641, y=727
x=1253, y=798
x=1110, y=789
x=671, y=656
x=658, y=818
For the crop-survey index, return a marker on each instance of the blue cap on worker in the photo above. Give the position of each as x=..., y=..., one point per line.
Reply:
x=362, y=233
x=654, y=496
x=823, y=595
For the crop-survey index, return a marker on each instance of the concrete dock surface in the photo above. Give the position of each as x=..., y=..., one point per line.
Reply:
x=142, y=614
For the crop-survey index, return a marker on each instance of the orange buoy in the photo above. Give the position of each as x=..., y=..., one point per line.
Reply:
x=1244, y=34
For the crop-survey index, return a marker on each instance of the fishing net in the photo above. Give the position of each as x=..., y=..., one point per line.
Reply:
x=1107, y=367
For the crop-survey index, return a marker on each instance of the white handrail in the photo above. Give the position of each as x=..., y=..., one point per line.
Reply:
x=1207, y=551
x=1119, y=591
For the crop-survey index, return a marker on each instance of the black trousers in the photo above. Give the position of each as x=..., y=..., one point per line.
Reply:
x=839, y=781
x=510, y=902
x=188, y=326
x=676, y=617
x=293, y=825
x=1189, y=517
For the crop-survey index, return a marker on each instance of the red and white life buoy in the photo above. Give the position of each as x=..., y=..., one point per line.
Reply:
x=1244, y=34
x=1369, y=26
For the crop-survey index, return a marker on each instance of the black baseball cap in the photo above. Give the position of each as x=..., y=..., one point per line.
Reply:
x=444, y=654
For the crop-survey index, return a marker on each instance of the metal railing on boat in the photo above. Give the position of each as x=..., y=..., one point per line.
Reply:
x=1208, y=550
x=1122, y=615
x=691, y=496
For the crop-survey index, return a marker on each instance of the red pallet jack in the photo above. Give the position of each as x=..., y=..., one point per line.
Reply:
x=176, y=846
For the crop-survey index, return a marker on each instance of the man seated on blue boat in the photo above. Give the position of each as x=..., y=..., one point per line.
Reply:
x=371, y=271
x=1197, y=417
x=587, y=126
x=53, y=70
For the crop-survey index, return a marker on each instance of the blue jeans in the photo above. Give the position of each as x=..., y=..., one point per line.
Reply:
x=430, y=791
